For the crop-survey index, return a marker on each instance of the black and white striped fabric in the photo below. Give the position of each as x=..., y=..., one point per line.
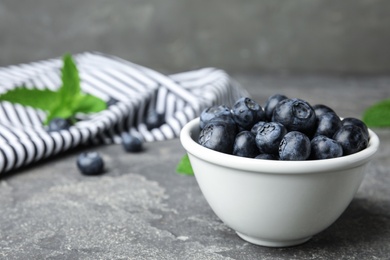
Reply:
x=179, y=97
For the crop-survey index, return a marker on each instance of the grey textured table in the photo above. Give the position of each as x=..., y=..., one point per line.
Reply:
x=141, y=209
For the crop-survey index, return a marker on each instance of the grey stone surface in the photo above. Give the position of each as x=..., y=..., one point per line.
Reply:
x=302, y=35
x=141, y=209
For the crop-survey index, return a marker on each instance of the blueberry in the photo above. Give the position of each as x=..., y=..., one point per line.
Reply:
x=227, y=120
x=266, y=156
x=245, y=145
x=90, y=163
x=294, y=146
x=271, y=103
x=323, y=147
x=154, y=119
x=320, y=109
x=351, y=138
x=57, y=124
x=268, y=137
x=327, y=124
x=218, y=136
x=257, y=126
x=111, y=101
x=247, y=112
x=357, y=122
x=214, y=112
x=296, y=115
x=131, y=143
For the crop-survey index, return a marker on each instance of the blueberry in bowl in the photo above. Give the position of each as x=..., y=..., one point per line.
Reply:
x=219, y=136
x=269, y=136
x=296, y=114
x=215, y=112
x=245, y=145
x=271, y=103
x=295, y=146
x=246, y=112
x=279, y=198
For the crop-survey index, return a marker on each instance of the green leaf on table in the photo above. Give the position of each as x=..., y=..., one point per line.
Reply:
x=184, y=166
x=65, y=103
x=378, y=115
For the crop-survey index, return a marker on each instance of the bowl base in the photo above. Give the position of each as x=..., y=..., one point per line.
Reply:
x=270, y=243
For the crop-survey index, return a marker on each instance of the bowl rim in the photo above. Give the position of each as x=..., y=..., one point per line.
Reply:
x=191, y=130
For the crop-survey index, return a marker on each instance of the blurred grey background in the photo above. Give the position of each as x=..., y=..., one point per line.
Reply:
x=309, y=36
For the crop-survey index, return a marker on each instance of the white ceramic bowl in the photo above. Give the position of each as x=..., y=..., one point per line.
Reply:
x=275, y=203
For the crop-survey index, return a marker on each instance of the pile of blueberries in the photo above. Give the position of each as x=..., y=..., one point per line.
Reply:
x=285, y=129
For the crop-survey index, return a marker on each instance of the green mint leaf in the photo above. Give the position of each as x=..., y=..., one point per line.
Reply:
x=42, y=99
x=184, y=166
x=70, y=87
x=87, y=103
x=378, y=115
x=59, y=111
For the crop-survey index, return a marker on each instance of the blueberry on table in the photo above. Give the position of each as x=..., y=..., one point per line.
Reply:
x=351, y=138
x=245, y=145
x=323, y=147
x=213, y=112
x=58, y=124
x=327, y=124
x=131, y=143
x=90, y=163
x=271, y=103
x=357, y=122
x=247, y=112
x=296, y=115
x=218, y=136
x=268, y=137
x=295, y=146
x=320, y=109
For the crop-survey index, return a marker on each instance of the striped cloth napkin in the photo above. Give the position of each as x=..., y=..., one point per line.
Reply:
x=138, y=91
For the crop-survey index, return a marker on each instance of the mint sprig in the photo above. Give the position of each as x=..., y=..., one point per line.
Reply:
x=378, y=115
x=65, y=103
